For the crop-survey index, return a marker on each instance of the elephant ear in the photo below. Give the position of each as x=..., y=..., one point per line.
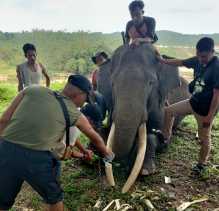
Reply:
x=169, y=79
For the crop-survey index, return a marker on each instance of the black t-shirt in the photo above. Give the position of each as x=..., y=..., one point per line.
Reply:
x=150, y=23
x=206, y=79
x=97, y=110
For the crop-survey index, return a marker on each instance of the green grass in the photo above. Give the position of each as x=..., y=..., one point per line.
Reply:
x=83, y=185
x=7, y=93
x=7, y=72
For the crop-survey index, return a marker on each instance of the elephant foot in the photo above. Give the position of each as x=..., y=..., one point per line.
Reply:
x=146, y=172
x=163, y=144
x=148, y=169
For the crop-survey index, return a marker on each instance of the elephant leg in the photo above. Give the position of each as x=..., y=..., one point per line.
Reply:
x=149, y=166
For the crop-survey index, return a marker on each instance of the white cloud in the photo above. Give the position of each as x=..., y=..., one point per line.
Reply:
x=188, y=16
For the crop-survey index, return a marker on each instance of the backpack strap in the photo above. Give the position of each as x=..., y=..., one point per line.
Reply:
x=66, y=115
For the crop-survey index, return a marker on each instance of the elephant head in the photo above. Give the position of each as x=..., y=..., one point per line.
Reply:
x=139, y=85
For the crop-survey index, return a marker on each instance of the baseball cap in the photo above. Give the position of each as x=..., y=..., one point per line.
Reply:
x=82, y=83
x=102, y=53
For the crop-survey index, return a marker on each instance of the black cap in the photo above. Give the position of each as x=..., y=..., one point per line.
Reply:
x=81, y=82
x=103, y=54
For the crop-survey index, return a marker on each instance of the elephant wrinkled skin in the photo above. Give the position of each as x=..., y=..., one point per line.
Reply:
x=135, y=86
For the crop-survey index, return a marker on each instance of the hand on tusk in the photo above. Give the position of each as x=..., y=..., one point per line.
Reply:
x=109, y=158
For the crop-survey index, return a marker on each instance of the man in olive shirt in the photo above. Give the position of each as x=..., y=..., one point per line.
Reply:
x=204, y=101
x=30, y=129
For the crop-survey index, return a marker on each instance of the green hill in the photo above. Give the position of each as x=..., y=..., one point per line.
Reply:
x=66, y=52
x=177, y=39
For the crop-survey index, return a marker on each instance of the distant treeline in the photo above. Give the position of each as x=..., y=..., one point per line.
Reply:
x=67, y=52
x=177, y=39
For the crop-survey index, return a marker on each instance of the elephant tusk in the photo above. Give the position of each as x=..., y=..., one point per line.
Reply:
x=108, y=166
x=142, y=144
x=109, y=174
x=111, y=137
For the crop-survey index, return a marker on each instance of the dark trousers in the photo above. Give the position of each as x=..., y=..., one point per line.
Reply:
x=40, y=169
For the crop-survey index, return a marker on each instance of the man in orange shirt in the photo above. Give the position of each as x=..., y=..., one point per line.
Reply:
x=99, y=59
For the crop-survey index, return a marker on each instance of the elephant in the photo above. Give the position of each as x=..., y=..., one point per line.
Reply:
x=135, y=86
x=178, y=94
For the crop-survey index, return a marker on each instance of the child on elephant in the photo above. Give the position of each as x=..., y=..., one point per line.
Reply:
x=140, y=29
x=204, y=100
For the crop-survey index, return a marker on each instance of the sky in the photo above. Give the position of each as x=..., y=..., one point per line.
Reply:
x=184, y=16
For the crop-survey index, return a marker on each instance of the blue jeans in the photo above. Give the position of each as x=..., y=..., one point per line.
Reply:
x=40, y=169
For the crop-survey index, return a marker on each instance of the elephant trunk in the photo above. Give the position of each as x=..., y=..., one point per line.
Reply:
x=127, y=119
x=124, y=140
x=141, y=146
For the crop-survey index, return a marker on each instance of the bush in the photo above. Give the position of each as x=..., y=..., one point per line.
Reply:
x=7, y=92
x=57, y=86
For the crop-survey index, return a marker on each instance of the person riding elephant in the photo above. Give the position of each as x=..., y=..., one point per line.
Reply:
x=141, y=29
